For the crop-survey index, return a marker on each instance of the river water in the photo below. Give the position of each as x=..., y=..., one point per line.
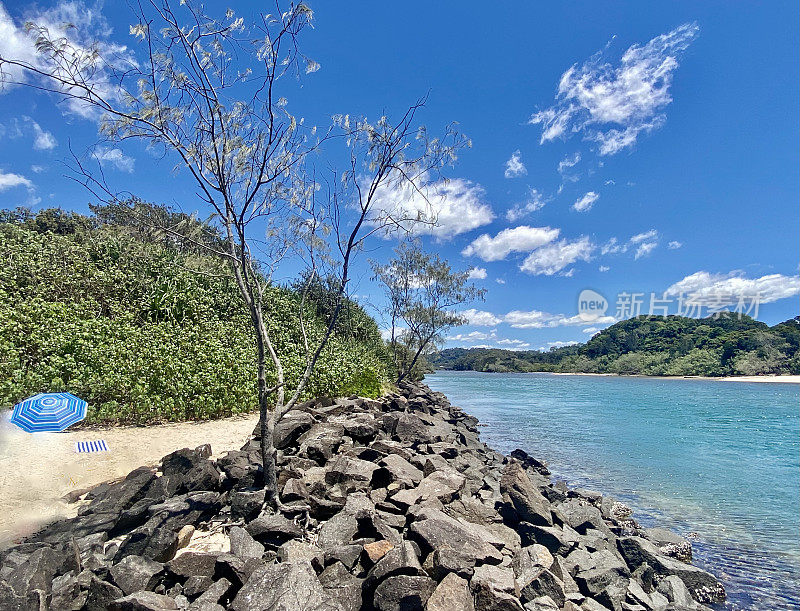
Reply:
x=716, y=461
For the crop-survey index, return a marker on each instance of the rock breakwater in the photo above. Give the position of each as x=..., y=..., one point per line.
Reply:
x=389, y=504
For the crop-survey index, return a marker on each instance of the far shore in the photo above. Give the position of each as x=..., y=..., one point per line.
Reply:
x=768, y=379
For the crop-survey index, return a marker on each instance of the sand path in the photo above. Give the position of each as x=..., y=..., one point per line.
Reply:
x=37, y=470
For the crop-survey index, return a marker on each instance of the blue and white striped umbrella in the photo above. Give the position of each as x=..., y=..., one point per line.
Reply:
x=48, y=412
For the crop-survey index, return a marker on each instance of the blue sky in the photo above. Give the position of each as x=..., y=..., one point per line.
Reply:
x=667, y=162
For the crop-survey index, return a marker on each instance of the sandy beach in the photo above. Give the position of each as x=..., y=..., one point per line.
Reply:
x=37, y=470
x=767, y=379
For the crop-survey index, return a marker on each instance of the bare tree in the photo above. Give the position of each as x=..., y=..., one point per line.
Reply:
x=421, y=289
x=205, y=92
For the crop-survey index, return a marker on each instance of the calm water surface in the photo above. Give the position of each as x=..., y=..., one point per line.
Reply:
x=718, y=459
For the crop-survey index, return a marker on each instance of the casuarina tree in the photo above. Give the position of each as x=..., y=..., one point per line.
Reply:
x=211, y=94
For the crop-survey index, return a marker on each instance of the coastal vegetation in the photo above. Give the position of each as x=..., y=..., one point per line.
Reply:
x=148, y=328
x=654, y=345
x=421, y=290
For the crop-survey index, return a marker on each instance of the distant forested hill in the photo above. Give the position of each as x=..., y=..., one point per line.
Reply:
x=658, y=345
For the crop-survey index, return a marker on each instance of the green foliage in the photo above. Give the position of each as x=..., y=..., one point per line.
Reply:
x=421, y=289
x=146, y=330
x=659, y=345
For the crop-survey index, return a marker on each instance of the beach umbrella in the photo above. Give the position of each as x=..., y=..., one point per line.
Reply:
x=50, y=412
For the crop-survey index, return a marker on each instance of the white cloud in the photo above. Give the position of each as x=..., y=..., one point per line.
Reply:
x=535, y=202
x=518, y=239
x=554, y=257
x=674, y=245
x=481, y=318
x=532, y=319
x=500, y=281
x=42, y=140
x=516, y=343
x=613, y=105
x=585, y=203
x=591, y=330
x=645, y=243
x=477, y=273
x=442, y=208
x=9, y=181
x=570, y=161
x=472, y=336
x=37, y=169
x=644, y=237
x=644, y=249
x=603, y=268
x=514, y=166
x=83, y=26
x=733, y=286
x=114, y=157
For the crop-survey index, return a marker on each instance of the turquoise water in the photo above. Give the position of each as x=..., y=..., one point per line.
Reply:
x=719, y=461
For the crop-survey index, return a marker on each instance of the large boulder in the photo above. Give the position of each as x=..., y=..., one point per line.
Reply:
x=526, y=500
x=703, y=586
x=282, y=587
x=452, y=594
x=404, y=593
x=436, y=530
x=134, y=573
x=157, y=539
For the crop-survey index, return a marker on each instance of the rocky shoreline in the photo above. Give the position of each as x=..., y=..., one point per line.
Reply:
x=391, y=504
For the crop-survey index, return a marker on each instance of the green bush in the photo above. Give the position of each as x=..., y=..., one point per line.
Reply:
x=145, y=332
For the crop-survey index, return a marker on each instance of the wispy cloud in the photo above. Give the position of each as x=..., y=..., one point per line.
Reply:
x=42, y=140
x=532, y=319
x=644, y=243
x=514, y=166
x=535, y=202
x=585, y=203
x=674, y=245
x=518, y=239
x=554, y=257
x=114, y=157
x=613, y=104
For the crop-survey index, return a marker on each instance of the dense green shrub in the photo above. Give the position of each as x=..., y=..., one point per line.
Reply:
x=147, y=331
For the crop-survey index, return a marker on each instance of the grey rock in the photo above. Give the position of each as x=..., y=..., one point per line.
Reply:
x=301, y=551
x=289, y=429
x=243, y=545
x=143, y=601
x=282, y=587
x=403, y=593
x=559, y=541
x=528, y=503
x=452, y=594
x=535, y=584
x=703, y=586
x=100, y=594
x=352, y=473
x=401, y=471
x=676, y=592
x=134, y=573
x=273, y=529
x=192, y=564
x=436, y=530
x=337, y=531
x=246, y=503
x=401, y=560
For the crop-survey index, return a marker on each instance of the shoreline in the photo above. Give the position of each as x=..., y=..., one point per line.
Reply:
x=765, y=379
x=405, y=507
